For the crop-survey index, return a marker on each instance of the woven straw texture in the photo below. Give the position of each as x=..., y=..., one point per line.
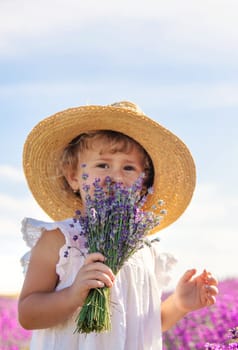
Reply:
x=173, y=164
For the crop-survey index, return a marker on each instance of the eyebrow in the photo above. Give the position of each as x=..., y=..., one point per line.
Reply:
x=108, y=159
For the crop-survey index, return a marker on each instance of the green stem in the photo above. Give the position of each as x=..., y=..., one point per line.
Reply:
x=95, y=313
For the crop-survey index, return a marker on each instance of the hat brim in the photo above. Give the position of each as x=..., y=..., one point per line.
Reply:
x=174, y=179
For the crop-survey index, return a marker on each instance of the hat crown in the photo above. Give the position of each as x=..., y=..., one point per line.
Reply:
x=128, y=105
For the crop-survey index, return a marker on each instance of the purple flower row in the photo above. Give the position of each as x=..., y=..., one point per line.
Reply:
x=12, y=335
x=208, y=325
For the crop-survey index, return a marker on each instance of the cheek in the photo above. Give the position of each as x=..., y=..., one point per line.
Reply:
x=131, y=181
x=87, y=184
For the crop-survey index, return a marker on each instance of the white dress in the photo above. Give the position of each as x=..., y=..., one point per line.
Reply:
x=135, y=295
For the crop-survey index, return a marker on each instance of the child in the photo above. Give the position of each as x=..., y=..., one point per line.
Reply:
x=121, y=142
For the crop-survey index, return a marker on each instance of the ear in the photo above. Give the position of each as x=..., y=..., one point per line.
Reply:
x=72, y=180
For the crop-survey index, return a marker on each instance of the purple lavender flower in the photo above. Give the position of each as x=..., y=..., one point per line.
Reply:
x=86, y=187
x=208, y=324
x=84, y=176
x=114, y=225
x=233, y=333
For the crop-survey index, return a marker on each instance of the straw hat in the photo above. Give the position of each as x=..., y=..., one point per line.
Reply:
x=174, y=179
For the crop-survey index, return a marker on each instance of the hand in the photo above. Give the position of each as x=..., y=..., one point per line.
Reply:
x=93, y=274
x=194, y=292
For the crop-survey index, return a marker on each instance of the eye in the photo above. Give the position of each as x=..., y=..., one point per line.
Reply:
x=129, y=168
x=103, y=166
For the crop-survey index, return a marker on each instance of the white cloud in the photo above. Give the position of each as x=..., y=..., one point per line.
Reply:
x=194, y=96
x=185, y=28
x=11, y=173
x=9, y=227
x=11, y=277
x=209, y=206
x=206, y=235
x=12, y=246
x=13, y=210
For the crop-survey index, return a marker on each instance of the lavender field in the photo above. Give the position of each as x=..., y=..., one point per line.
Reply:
x=12, y=335
x=209, y=325
x=192, y=333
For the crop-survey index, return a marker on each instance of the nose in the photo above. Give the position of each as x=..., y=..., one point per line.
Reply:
x=116, y=176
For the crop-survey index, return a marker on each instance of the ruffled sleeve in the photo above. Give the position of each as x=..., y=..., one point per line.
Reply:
x=32, y=230
x=74, y=244
x=164, y=264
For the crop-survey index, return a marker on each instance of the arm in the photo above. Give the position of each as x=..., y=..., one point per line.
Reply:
x=40, y=306
x=192, y=293
x=170, y=313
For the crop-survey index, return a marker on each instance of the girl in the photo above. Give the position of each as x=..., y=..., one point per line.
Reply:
x=121, y=142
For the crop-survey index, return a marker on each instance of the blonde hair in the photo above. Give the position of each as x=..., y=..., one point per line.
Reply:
x=118, y=142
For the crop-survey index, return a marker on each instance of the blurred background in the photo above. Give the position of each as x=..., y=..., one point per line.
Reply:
x=178, y=60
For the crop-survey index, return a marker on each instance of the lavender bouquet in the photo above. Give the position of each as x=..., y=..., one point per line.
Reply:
x=115, y=225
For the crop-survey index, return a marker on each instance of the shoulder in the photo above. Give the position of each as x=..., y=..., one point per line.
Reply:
x=33, y=229
x=41, y=272
x=50, y=242
x=55, y=235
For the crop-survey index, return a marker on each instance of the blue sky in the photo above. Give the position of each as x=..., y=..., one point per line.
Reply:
x=178, y=60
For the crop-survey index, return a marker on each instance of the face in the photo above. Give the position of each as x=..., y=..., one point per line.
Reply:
x=119, y=166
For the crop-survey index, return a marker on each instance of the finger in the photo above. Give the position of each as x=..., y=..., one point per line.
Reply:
x=94, y=257
x=208, y=277
x=211, y=290
x=99, y=276
x=99, y=267
x=211, y=300
x=91, y=284
x=188, y=275
x=212, y=281
x=210, y=294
